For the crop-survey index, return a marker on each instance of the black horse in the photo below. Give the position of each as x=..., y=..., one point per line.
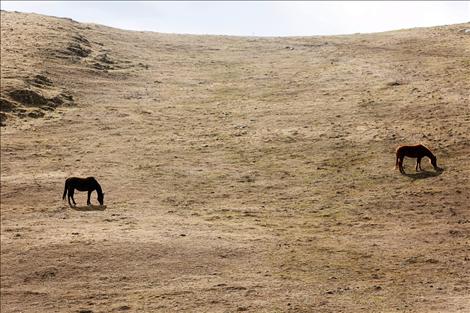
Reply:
x=82, y=184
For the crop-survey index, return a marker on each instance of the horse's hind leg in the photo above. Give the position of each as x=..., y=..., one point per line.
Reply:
x=400, y=165
x=69, y=196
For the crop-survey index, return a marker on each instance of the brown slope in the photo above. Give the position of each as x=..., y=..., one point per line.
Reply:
x=240, y=173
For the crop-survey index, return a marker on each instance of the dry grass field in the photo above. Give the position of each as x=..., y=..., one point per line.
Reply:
x=241, y=174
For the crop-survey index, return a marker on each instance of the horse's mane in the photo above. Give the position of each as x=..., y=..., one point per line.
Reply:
x=98, y=188
x=428, y=150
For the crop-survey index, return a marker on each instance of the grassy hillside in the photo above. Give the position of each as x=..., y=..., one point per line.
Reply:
x=241, y=173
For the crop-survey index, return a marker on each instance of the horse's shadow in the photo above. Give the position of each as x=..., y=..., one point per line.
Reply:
x=89, y=208
x=424, y=174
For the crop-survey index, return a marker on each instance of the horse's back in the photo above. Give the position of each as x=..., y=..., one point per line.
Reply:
x=91, y=178
x=81, y=184
x=412, y=151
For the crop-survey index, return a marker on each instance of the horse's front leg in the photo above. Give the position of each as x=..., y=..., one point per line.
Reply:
x=88, y=202
x=418, y=164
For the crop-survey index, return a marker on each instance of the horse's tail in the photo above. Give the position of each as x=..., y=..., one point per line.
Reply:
x=399, y=155
x=65, y=191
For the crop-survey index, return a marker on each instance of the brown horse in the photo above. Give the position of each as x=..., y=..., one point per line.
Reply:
x=416, y=151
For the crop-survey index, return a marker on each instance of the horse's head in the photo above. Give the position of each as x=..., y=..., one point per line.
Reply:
x=101, y=198
x=434, y=162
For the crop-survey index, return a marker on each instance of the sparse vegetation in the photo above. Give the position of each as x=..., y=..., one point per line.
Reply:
x=249, y=174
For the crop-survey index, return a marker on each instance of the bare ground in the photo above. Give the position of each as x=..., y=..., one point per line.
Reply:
x=241, y=174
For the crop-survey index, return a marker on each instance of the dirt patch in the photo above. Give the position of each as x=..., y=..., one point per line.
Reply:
x=39, y=97
x=28, y=97
x=77, y=50
x=6, y=106
x=41, y=81
x=32, y=103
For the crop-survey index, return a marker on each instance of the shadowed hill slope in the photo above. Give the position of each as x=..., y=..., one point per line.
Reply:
x=241, y=174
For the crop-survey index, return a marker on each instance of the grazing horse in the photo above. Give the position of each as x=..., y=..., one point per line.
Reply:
x=416, y=151
x=82, y=184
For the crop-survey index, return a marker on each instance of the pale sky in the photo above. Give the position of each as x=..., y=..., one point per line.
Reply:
x=254, y=18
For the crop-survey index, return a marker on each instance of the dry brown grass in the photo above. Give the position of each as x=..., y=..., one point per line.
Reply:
x=241, y=174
